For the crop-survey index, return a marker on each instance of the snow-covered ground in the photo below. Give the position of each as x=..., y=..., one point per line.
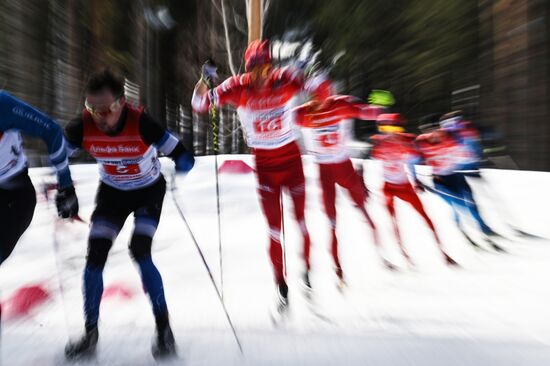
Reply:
x=494, y=310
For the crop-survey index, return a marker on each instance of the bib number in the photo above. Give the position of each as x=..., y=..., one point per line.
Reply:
x=329, y=139
x=130, y=169
x=266, y=126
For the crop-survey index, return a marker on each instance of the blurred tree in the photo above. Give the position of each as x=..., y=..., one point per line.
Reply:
x=433, y=55
x=420, y=50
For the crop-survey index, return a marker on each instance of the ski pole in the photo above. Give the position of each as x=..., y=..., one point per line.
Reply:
x=437, y=191
x=61, y=288
x=283, y=239
x=216, y=149
x=182, y=215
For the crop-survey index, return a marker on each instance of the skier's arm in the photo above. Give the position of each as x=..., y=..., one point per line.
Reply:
x=228, y=92
x=15, y=114
x=74, y=132
x=369, y=112
x=355, y=108
x=417, y=158
x=346, y=107
x=300, y=113
x=168, y=144
x=201, y=98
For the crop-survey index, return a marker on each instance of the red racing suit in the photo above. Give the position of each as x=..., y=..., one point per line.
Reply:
x=396, y=151
x=327, y=124
x=265, y=113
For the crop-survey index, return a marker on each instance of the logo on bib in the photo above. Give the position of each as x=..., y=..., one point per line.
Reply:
x=108, y=149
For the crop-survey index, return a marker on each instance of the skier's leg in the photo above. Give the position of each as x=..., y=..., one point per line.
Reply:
x=269, y=192
x=414, y=200
x=146, y=219
x=472, y=207
x=349, y=179
x=107, y=219
x=390, y=192
x=103, y=231
x=328, y=191
x=452, y=198
x=16, y=212
x=295, y=181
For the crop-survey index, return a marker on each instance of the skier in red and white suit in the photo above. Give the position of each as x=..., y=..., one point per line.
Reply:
x=396, y=149
x=326, y=117
x=264, y=97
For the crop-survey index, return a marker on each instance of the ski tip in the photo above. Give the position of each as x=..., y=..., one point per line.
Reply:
x=390, y=266
x=498, y=248
x=453, y=264
x=527, y=235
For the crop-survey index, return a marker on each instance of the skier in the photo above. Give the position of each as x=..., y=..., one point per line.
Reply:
x=124, y=140
x=17, y=194
x=264, y=96
x=466, y=133
x=447, y=155
x=395, y=149
x=325, y=115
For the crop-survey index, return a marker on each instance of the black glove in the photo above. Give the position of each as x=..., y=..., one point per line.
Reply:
x=66, y=202
x=209, y=72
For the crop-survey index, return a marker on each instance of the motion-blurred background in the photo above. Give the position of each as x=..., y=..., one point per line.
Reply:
x=489, y=58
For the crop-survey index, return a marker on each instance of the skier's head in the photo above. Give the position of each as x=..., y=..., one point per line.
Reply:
x=105, y=99
x=451, y=121
x=390, y=123
x=257, y=55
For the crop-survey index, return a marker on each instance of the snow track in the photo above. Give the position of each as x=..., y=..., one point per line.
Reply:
x=493, y=310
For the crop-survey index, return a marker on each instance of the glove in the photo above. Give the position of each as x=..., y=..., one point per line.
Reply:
x=184, y=162
x=209, y=72
x=66, y=202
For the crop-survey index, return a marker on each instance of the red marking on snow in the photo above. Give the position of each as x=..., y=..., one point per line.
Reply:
x=235, y=167
x=23, y=301
x=118, y=291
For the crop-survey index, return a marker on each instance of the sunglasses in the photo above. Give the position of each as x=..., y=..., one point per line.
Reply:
x=102, y=110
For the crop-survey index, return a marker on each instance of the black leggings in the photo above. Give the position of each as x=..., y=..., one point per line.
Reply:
x=16, y=212
x=113, y=206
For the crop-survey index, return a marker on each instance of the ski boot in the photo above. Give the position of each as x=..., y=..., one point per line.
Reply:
x=306, y=282
x=341, y=284
x=282, y=297
x=164, y=344
x=84, y=347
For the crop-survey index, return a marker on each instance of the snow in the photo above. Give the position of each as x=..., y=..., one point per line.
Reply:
x=492, y=311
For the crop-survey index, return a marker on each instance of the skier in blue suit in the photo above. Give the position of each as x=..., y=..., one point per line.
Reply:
x=17, y=194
